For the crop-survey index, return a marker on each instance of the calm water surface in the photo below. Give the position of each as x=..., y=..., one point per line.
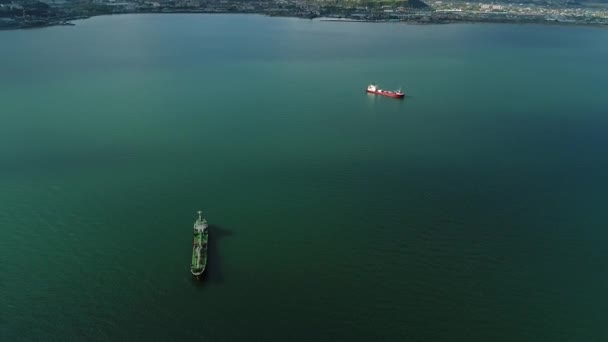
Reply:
x=474, y=210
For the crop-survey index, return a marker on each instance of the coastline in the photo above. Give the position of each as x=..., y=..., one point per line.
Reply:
x=449, y=22
x=67, y=21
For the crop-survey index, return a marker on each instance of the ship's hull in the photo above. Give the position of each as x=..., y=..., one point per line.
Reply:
x=199, y=253
x=387, y=93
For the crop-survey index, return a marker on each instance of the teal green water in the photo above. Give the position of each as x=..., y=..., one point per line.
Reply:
x=474, y=210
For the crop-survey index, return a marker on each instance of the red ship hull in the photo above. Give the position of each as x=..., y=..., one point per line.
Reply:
x=387, y=93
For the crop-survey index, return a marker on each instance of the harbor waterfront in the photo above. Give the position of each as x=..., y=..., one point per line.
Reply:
x=472, y=210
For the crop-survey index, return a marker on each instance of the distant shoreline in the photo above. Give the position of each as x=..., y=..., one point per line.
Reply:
x=67, y=21
x=448, y=22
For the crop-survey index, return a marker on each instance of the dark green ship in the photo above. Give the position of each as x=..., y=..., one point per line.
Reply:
x=199, y=248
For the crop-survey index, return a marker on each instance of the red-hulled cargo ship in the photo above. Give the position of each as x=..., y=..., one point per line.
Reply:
x=373, y=89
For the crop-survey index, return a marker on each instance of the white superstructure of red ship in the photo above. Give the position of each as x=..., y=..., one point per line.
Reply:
x=373, y=89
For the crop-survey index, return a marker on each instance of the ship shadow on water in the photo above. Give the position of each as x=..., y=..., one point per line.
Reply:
x=213, y=271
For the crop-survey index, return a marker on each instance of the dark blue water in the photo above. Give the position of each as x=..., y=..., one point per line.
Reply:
x=474, y=210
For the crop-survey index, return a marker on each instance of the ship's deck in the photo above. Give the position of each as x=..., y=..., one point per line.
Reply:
x=199, y=240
